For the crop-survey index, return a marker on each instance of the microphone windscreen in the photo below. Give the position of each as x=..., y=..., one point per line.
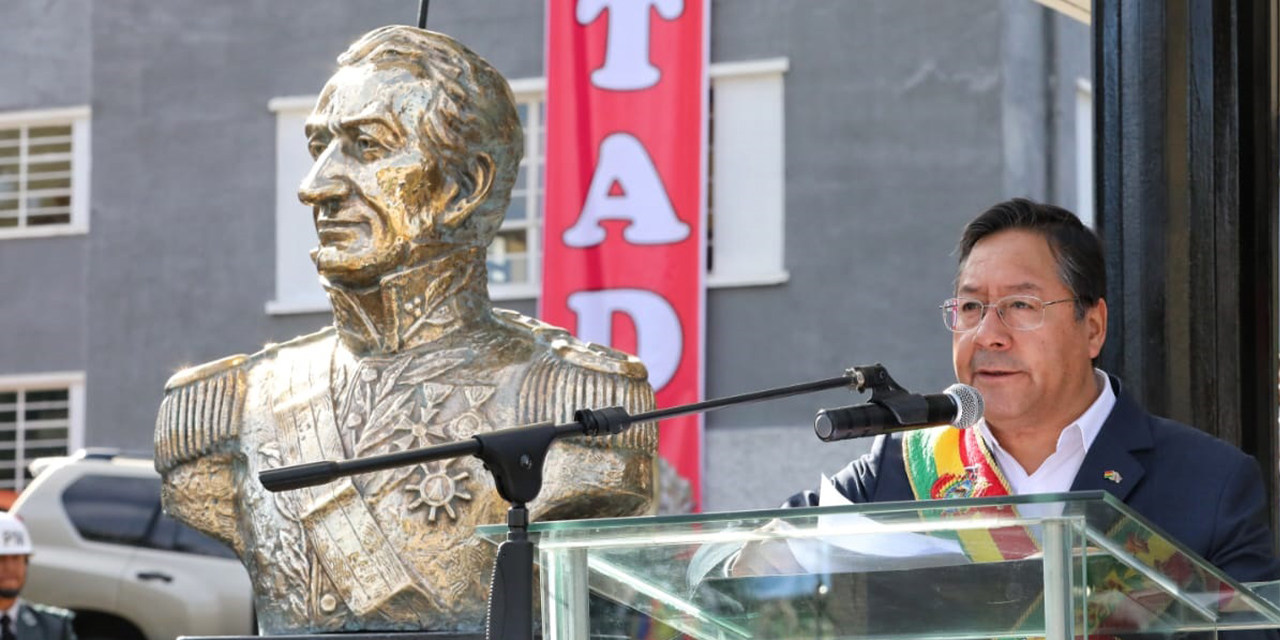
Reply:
x=968, y=403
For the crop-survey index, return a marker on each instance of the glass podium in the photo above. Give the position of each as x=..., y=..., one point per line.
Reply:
x=1056, y=566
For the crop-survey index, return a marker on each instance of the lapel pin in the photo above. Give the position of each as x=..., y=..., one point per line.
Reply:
x=1112, y=475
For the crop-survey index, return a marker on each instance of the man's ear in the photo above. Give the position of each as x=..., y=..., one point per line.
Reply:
x=1096, y=321
x=472, y=188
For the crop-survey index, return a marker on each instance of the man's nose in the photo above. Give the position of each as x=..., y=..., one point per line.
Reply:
x=326, y=181
x=991, y=332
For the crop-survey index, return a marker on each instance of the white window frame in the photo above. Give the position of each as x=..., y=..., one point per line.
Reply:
x=532, y=90
x=80, y=120
x=748, y=174
x=73, y=382
x=292, y=256
x=755, y=217
x=1084, y=152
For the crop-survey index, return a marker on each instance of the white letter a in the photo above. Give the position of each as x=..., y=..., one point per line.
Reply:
x=642, y=198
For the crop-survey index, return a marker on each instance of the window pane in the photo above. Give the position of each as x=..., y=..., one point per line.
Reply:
x=163, y=534
x=508, y=258
x=48, y=202
x=43, y=167
x=48, y=451
x=516, y=210
x=46, y=413
x=58, y=218
x=191, y=541
x=8, y=397
x=111, y=509
x=52, y=147
x=10, y=134
x=58, y=434
x=47, y=395
x=49, y=183
x=45, y=132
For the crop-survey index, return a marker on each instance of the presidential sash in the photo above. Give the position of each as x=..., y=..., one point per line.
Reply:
x=944, y=463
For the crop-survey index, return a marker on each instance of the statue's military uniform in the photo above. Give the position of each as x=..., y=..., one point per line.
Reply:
x=393, y=549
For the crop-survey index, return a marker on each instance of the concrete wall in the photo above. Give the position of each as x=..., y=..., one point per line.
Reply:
x=898, y=129
x=44, y=64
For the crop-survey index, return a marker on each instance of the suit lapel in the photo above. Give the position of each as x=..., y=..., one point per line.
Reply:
x=1110, y=464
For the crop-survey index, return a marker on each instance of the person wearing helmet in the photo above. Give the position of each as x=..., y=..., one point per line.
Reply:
x=21, y=620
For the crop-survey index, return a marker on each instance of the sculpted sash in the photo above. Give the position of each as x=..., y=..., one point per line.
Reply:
x=348, y=543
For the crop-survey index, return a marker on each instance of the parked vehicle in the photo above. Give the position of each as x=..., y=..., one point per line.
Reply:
x=104, y=549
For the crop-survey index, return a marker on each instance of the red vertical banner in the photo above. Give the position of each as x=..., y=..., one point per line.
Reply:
x=624, y=235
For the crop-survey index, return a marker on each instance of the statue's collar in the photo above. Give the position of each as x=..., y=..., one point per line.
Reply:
x=413, y=307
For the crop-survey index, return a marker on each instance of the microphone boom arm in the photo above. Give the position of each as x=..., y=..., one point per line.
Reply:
x=907, y=407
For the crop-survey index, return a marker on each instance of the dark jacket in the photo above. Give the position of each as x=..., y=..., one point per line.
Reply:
x=40, y=622
x=1204, y=492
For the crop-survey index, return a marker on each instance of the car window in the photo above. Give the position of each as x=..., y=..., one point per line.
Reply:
x=171, y=535
x=113, y=509
x=189, y=540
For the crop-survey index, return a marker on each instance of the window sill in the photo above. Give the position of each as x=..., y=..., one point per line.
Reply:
x=44, y=232
x=497, y=292
x=731, y=281
x=296, y=307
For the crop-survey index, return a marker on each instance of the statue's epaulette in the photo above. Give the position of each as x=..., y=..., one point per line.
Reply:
x=200, y=411
x=588, y=355
x=571, y=374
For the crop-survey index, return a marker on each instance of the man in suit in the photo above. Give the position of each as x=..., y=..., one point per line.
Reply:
x=1028, y=318
x=19, y=619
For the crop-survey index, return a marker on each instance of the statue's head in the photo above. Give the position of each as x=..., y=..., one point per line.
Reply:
x=416, y=143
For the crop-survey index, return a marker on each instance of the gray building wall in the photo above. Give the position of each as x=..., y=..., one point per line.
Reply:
x=44, y=64
x=900, y=124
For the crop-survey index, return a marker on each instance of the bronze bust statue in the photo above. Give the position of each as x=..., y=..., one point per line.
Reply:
x=416, y=143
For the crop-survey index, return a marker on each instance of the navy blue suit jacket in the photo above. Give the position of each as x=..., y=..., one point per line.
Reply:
x=1204, y=492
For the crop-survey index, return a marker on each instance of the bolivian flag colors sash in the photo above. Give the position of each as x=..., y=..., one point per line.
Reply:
x=945, y=462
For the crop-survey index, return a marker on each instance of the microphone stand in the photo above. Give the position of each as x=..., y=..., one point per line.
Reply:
x=515, y=457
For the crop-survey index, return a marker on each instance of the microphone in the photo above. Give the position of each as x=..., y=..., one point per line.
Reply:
x=960, y=406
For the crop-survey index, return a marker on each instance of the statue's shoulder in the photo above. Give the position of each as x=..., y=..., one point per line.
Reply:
x=564, y=350
x=202, y=407
x=237, y=364
x=193, y=376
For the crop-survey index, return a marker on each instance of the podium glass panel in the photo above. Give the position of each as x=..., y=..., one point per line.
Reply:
x=1053, y=565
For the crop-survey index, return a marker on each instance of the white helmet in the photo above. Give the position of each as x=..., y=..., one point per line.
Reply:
x=14, y=539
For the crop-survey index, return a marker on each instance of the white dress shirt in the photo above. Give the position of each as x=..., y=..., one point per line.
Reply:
x=1057, y=473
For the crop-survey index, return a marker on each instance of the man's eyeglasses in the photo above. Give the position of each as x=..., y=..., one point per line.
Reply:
x=1022, y=313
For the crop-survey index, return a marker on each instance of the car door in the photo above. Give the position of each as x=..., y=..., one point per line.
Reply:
x=186, y=584
x=87, y=534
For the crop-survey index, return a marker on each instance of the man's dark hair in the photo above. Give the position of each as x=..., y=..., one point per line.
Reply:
x=1075, y=247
